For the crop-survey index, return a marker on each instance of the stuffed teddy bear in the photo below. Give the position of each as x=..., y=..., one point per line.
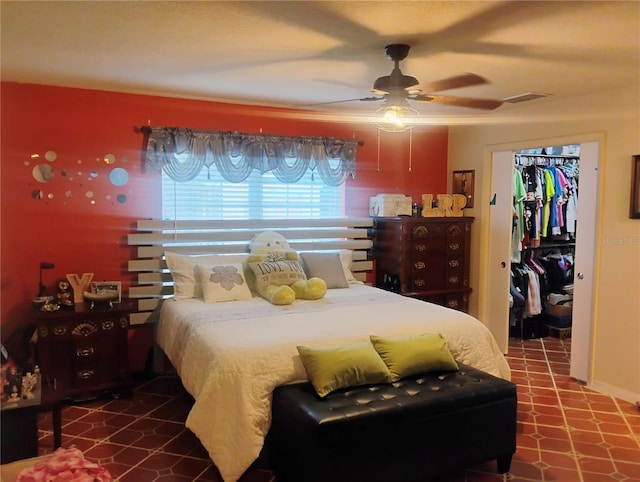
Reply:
x=277, y=273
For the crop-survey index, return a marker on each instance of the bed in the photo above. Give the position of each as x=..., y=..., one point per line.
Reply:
x=231, y=355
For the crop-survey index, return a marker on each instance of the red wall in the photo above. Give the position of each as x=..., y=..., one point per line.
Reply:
x=88, y=234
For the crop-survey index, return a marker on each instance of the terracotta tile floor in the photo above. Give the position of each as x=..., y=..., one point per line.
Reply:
x=566, y=432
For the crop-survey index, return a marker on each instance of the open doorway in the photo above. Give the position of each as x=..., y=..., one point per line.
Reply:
x=496, y=239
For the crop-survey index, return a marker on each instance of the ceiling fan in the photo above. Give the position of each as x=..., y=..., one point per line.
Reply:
x=396, y=88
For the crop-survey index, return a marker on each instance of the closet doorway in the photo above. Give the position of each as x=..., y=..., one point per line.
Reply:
x=496, y=241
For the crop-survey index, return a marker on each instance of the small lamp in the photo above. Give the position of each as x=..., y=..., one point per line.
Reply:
x=41, y=286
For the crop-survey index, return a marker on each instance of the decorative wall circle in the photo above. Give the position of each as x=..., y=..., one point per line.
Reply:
x=42, y=172
x=118, y=176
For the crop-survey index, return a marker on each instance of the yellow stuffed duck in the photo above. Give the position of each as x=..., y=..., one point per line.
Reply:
x=278, y=275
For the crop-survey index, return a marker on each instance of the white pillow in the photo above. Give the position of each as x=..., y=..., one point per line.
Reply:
x=223, y=282
x=183, y=270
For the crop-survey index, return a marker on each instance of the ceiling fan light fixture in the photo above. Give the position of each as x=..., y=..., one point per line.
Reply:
x=396, y=118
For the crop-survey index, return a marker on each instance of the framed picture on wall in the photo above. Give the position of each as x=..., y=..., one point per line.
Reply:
x=463, y=184
x=635, y=188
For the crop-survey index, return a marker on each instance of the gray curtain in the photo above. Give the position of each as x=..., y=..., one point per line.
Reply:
x=183, y=153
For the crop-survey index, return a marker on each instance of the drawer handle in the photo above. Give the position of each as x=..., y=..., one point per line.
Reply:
x=85, y=374
x=419, y=265
x=420, y=247
x=420, y=231
x=124, y=322
x=454, y=263
x=59, y=330
x=108, y=325
x=419, y=282
x=454, y=230
x=84, y=329
x=452, y=303
x=88, y=351
x=454, y=246
x=453, y=280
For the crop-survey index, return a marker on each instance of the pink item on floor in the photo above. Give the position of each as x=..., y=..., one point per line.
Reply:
x=65, y=465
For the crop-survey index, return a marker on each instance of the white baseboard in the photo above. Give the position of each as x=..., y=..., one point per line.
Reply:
x=632, y=397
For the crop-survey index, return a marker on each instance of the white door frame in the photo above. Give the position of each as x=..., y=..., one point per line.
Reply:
x=491, y=307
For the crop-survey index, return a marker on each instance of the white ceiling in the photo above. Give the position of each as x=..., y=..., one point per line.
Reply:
x=292, y=54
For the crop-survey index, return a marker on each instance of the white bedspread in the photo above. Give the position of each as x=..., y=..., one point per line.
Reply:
x=230, y=356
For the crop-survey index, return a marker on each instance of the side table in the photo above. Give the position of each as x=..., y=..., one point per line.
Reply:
x=19, y=434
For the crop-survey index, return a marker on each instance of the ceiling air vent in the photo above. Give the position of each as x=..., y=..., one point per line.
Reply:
x=516, y=99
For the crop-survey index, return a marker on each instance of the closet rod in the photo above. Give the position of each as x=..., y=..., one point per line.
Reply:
x=549, y=156
x=552, y=245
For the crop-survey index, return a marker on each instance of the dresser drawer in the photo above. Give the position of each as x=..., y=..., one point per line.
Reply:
x=456, y=231
x=456, y=301
x=423, y=230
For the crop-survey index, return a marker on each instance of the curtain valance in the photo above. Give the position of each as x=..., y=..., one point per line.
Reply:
x=182, y=153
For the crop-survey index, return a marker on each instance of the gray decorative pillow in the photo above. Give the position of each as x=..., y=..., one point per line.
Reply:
x=326, y=266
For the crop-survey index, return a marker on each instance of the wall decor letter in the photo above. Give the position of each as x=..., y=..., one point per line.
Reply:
x=459, y=201
x=427, y=210
x=79, y=285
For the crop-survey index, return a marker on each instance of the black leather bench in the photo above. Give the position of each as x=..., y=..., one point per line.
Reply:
x=413, y=430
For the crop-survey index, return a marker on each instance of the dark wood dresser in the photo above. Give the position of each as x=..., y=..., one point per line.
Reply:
x=425, y=258
x=83, y=352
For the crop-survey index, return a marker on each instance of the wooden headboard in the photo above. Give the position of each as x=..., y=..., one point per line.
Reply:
x=151, y=237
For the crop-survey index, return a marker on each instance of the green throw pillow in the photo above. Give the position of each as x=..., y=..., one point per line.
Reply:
x=414, y=354
x=329, y=369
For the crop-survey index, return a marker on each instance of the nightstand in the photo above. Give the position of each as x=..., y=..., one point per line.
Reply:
x=83, y=351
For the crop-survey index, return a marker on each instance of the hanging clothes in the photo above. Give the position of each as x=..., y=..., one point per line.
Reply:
x=560, y=206
x=570, y=171
x=545, y=210
x=549, y=192
x=550, y=208
x=517, y=232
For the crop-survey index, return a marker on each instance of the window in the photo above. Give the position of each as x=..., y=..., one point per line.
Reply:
x=260, y=196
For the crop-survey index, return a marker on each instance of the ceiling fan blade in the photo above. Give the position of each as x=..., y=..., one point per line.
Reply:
x=364, y=99
x=321, y=18
x=487, y=104
x=456, y=82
